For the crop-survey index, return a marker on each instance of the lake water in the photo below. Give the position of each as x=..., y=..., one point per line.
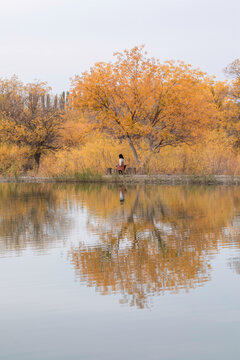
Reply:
x=106, y=272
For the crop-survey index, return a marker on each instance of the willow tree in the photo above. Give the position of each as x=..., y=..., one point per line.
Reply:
x=25, y=120
x=138, y=99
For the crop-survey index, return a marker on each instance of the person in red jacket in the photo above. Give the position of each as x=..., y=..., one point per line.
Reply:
x=121, y=165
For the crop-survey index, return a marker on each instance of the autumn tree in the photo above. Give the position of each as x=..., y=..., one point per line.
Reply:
x=232, y=113
x=140, y=100
x=74, y=130
x=28, y=117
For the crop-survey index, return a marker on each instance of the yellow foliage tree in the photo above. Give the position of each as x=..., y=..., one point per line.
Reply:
x=25, y=119
x=137, y=99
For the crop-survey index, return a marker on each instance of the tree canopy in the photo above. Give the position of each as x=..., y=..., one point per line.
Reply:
x=139, y=99
x=28, y=117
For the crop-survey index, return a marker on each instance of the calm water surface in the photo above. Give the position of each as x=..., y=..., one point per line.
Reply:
x=106, y=272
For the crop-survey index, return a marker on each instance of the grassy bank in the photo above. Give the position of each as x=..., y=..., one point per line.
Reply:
x=131, y=179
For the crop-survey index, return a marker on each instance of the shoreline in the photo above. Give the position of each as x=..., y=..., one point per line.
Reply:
x=133, y=179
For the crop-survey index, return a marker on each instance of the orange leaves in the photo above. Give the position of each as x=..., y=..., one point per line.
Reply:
x=138, y=98
x=134, y=102
x=26, y=119
x=74, y=130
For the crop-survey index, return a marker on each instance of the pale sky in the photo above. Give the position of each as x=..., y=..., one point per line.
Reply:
x=53, y=40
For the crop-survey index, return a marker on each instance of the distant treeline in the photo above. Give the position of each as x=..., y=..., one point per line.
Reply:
x=58, y=102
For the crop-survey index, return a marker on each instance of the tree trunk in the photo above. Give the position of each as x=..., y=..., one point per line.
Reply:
x=133, y=150
x=37, y=158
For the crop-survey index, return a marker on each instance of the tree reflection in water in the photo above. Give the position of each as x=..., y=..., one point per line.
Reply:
x=161, y=239
x=30, y=216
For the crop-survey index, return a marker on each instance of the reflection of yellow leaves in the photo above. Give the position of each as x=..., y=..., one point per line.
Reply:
x=31, y=215
x=161, y=239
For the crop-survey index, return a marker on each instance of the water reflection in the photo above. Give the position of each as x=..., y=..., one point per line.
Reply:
x=30, y=215
x=234, y=264
x=137, y=241
x=161, y=239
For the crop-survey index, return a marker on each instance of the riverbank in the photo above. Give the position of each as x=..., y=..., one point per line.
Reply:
x=132, y=179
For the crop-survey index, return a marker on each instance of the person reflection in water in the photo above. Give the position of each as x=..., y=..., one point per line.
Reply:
x=121, y=165
x=121, y=193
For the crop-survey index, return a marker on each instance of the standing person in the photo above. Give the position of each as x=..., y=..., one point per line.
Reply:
x=121, y=165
